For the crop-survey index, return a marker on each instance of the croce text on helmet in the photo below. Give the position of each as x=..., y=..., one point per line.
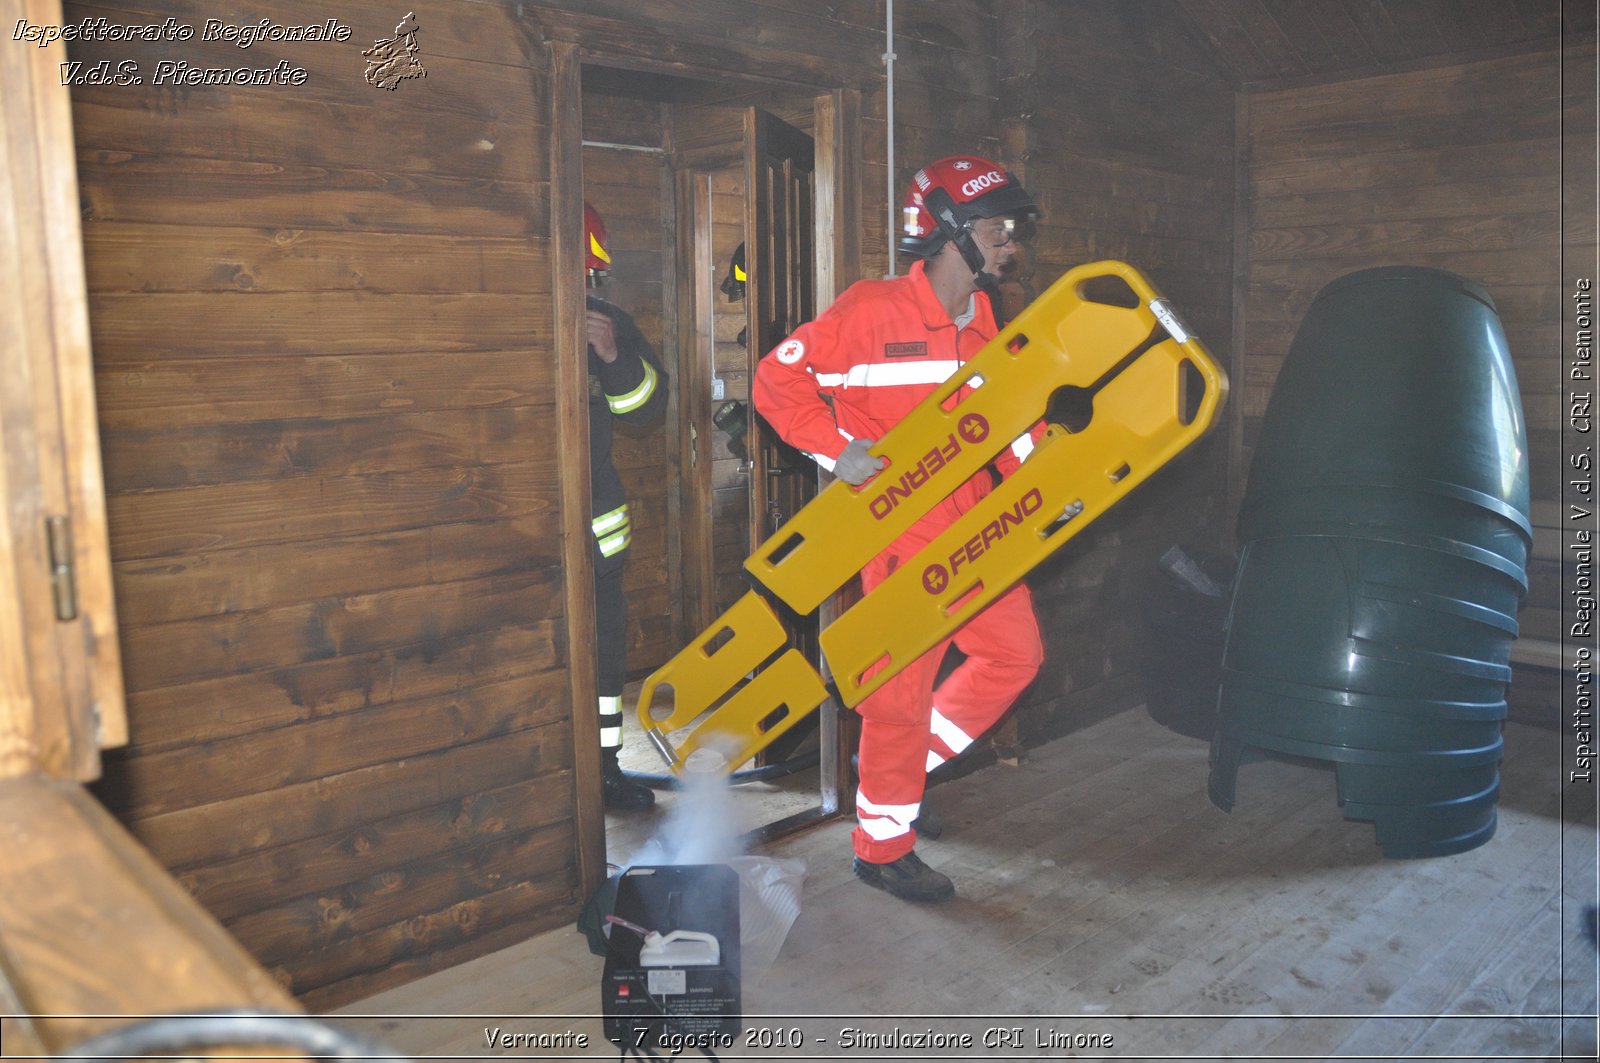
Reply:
x=596, y=256
x=948, y=194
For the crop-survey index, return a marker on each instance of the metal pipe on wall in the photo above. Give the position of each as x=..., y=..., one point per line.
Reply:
x=888, y=66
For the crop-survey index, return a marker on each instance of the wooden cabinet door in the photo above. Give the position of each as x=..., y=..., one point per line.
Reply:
x=60, y=669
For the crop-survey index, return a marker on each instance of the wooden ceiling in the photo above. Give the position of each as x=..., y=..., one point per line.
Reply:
x=1271, y=44
x=1266, y=44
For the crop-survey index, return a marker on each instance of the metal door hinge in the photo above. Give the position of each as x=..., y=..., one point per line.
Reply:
x=59, y=532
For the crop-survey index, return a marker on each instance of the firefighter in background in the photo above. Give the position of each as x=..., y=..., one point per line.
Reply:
x=626, y=382
x=835, y=387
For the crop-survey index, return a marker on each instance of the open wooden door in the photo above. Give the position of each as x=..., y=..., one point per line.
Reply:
x=780, y=167
x=61, y=694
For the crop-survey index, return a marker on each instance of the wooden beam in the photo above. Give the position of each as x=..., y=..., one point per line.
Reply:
x=837, y=222
x=93, y=932
x=572, y=448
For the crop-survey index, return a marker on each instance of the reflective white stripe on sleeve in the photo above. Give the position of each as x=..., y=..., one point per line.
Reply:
x=948, y=733
x=882, y=822
x=825, y=461
x=890, y=374
x=934, y=760
x=1022, y=446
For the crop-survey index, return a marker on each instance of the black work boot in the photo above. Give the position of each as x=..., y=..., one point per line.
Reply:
x=620, y=793
x=907, y=878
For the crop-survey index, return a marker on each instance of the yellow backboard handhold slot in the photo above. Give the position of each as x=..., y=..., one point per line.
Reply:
x=724, y=664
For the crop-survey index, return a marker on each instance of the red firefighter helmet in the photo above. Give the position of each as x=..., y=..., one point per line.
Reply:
x=948, y=194
x=596, y=256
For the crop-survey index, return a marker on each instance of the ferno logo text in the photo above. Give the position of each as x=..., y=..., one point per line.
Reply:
x=971, y=429
x=936, y=578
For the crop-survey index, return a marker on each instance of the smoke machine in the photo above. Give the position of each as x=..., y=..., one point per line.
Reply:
x=671, y=977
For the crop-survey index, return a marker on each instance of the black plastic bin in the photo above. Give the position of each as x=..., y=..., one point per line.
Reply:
x=1385, y=542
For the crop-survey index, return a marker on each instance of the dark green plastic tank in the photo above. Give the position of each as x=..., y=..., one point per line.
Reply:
x=1385, y=540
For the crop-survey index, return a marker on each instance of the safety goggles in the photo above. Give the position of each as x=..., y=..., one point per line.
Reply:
x=997, y=232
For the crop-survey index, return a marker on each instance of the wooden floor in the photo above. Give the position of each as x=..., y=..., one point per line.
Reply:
x=1104, y=901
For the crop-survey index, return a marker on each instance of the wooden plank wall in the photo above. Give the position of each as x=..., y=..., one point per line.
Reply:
x=1456, y=167
x=321, y=326
x=946, y=73
x=1122, y=130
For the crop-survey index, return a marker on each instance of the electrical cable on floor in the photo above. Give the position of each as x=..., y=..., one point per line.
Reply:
x=184, y=1034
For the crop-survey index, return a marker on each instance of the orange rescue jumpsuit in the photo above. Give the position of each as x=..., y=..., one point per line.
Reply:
x=855, y=371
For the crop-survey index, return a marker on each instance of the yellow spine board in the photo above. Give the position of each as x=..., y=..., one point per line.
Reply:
x=933, y=450
x=1068, y=481
x=1063, y=339
x=712, y=668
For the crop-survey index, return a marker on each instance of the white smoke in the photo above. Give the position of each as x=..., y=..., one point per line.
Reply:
x=705, y=826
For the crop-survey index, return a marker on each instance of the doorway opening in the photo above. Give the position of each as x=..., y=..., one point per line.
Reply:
x=708, y=189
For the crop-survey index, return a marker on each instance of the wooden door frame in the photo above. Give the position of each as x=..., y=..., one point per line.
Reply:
x=836, y=218
x=572, y=451
x=837, y=249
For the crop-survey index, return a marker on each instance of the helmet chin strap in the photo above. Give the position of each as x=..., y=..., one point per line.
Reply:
x=943, y=209
x=989, y=285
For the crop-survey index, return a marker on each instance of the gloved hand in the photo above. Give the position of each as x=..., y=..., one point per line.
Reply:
x=855, y=466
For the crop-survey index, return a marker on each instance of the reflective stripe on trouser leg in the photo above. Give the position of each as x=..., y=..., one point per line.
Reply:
x=948, y=740
x=884, y=823
x=893, y=750
x=890, y=759
x=610, y=723
x=613, y=531
x=1003, y=653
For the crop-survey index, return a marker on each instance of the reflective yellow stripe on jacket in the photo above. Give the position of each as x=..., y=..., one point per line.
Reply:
x=638, y=396
x=613, y=531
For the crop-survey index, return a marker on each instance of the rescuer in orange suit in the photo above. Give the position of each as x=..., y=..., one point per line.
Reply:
x=832, y=389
